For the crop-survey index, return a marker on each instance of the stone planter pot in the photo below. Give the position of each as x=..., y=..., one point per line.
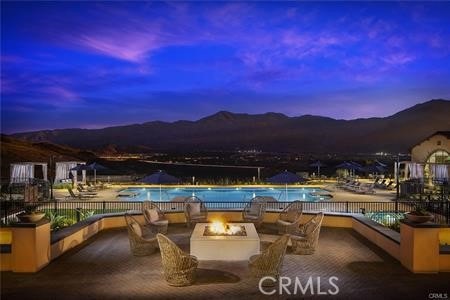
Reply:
x=31, y=217
x=418, y=219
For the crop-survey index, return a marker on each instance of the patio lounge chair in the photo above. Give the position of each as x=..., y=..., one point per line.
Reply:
x=140, y=243
x=381, y=184
x=179, y=268
x=306, y=239
x=154, y=217
x=79, y=195
x=87, y=188
x=289, y=219
x=85, y=192
x=254, y=211
x=195, y=211
x=269, y=262
x=365, y=189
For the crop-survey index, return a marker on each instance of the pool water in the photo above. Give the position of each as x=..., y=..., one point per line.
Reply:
x=225, y=194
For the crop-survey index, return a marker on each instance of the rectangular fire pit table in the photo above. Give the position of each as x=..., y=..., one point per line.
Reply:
x=231, y=247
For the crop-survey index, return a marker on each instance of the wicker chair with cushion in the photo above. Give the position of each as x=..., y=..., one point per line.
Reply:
x=269, y=262
x=254, y=211
x=179, y=268
x=154, y=217
x=305, y=240
x=289, y=219
x=140, y=244
x=195, y=211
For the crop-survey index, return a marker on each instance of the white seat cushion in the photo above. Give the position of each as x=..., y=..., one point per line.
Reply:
x=136, y=228
x=161, y=222
x=194, y=209
x=285, y=223
x=152, y=214
x=255, y=209
x=197, y=217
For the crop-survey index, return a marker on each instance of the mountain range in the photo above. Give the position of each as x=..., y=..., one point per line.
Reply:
x=274, y=132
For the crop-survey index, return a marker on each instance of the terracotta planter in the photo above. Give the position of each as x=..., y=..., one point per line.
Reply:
x=418, y=219
x=31, y=218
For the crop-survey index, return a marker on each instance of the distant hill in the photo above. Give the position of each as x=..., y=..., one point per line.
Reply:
x=267, y=132
x=15, y=150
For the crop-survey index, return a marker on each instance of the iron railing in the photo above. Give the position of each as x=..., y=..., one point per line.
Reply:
x=71, y=209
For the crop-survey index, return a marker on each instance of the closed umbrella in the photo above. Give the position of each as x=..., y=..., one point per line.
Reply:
x=317, y=164
x=286, y=178
x=160, y=178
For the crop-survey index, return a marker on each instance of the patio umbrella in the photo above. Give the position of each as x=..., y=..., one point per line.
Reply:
x=380, y=163
x=160, y=178
x=286, y=177
x=91, y=167
x=77, y=168
x=317, y=164
x=96, y=167
x=375, y=168
x=351, y=166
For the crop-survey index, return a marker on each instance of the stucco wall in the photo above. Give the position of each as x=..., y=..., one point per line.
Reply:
x=422, y=151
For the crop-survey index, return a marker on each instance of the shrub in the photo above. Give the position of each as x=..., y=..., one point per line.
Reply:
x=58, y=222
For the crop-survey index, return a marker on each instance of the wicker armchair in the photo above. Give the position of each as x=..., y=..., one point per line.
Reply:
x=140, y=244
x=289, y=219
x=254, y=211
x=179, y=268
x=154, y=217
x=269, y=262
x=306, y=239
x=195, y=211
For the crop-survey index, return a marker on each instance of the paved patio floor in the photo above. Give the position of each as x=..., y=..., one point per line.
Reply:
x=103, y=268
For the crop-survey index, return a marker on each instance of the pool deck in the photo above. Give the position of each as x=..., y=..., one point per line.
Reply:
x=103, y=268
x=110, y=194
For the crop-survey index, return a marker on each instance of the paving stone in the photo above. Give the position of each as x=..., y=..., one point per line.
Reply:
x=103, y=268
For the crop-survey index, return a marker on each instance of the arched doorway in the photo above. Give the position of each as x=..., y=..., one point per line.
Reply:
x=438, y=157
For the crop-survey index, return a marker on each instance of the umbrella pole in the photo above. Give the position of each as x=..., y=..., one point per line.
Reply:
x=95, y=176
x=318, y=171
x=160, y=197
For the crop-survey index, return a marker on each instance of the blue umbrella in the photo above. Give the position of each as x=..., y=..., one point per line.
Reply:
x=96, y=167
x=351, y=166
x=317, y=164
x=346, y=166
x=374, y=169
x=285, y=177
x=91, y=167
x=380, y=163
x=160, y=178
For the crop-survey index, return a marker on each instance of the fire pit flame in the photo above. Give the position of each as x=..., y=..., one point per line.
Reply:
x=222, y=229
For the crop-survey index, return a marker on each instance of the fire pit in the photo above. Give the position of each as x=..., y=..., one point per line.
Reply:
x=222, y=229
x=222, y=241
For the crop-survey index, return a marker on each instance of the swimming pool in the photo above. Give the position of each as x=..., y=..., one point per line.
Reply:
x=224, y=194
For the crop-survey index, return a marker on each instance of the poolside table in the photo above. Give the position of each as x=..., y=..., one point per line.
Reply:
x=224, y=247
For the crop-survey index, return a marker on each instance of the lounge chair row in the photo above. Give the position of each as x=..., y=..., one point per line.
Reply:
x=358, y=187
x=385, y=184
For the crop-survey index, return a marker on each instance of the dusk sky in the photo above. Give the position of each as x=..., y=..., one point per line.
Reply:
x=93, y=65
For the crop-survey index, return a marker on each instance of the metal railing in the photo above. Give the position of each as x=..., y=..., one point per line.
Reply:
x=440, y=210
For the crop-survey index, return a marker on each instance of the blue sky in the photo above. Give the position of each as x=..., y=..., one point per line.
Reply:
x=92, y=65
